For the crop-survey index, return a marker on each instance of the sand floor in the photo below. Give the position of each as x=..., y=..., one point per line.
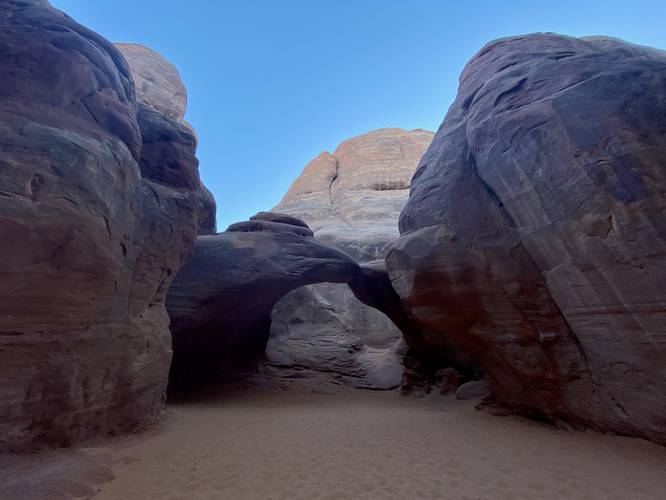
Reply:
x=353, y=445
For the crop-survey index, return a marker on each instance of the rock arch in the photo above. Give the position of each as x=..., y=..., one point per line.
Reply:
x=221, y=301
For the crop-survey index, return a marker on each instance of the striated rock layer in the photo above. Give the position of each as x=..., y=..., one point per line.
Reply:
x=535, y=233
x=351, y=199
x=99, y=201
x=158, y=83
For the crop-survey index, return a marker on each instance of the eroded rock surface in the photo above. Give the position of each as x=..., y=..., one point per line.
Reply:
x=351, y=199
x=93, y=227
x=157, y=81
x=534, y=237
x=160, y=88
x=220, y=304
x=475, y=389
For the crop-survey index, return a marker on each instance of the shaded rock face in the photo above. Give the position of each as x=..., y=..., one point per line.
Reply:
x=373, y=287
x=534, y=236
x=312, y=335
x=351, y=199
x=92, y=231
x=220, y=304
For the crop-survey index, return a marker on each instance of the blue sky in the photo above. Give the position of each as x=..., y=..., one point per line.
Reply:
x=273, y=83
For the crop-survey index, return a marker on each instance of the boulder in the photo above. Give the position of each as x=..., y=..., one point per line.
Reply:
x=220, y=303
x=534, y=237
x=351, y=199
x=473, y=390
x=95, y=220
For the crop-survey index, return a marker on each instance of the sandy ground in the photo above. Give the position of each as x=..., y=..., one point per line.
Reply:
x=354, y=445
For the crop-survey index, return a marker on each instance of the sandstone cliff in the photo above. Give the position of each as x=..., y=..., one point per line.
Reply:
x=99, y=203
x=160, y=88
x=535, y=233
x=353, y=196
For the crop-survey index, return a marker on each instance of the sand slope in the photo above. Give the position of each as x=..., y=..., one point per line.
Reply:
x=359, y=445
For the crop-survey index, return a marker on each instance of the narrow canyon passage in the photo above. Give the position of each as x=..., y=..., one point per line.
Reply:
x=289, y=443
x=380, y=329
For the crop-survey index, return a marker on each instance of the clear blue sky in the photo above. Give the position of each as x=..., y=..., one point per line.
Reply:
x=274, y=82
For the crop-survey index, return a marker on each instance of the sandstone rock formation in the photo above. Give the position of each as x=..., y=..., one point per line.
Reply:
x=157, y=81
x=475, y=389
x=220, y=303
x=99, y=201
x=312, y=338
x=159, y=87
x=534, y=236
x=351, y=199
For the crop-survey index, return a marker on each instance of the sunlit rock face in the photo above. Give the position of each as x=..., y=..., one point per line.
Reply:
x=352, y=199
x=353, y=196
x=96, y=217
x=157, y=81
x=534, y=236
